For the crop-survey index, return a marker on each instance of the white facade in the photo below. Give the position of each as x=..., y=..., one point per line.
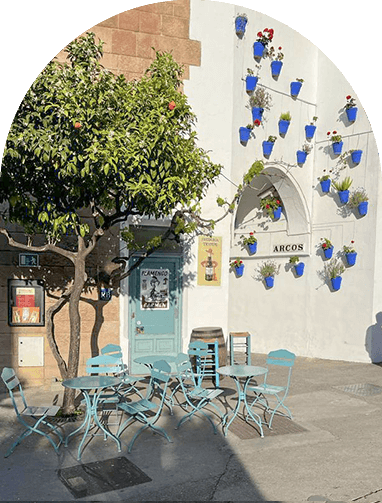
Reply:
x=301, y=314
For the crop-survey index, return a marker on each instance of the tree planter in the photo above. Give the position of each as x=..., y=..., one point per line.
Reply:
x=363, y=207
x=299, y=268
x=301, y=156
x=258, y=49
x=269, y=281
x=277, y=213
x=309, y=131
x=328, y=252
x=337, y=147
x=240, y=25
x=267, y=147
x=351, y=258
x=257, y=113
x=325, y=185
x=336, y=282
x=356, y=156
x=295, y=88
x=252, y=247
x=250, y=82
x=283, y=126
x=244, y=133
x=344, y=196
x=276, y=68
x=351, y=113
x=239, y=271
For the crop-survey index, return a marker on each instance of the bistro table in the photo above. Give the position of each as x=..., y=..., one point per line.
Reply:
x=237, y=372
x=85, y=384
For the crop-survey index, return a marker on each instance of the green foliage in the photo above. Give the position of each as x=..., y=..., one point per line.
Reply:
x=286, y=116
x=358, y=196
x=269, y=268
x=250, y=240
x=261, y=98
x=255, y=170
x=343, y=185
x=294, y=260
x=269, y=204
x=85, y=138
x=334, y=268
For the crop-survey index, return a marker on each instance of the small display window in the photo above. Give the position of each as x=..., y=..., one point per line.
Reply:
x=26, y=302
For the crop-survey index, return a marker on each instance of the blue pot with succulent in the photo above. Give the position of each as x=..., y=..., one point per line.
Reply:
x=295, y=87
x=241, y=23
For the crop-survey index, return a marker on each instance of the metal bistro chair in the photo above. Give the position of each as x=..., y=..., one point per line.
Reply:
x=206, y=357
x=37, y=414
x=280, y=358
x=196, y=396
x=146, y=410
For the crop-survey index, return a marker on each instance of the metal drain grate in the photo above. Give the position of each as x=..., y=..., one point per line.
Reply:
x=363, y=389
x=280, y=426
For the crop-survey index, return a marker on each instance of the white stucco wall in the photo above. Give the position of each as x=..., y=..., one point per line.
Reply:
x=301, y=314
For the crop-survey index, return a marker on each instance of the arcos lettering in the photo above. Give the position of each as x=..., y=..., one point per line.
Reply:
x=288, y=248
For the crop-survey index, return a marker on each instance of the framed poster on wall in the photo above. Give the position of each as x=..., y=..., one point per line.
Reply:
x=26, y=303
x=209, y=260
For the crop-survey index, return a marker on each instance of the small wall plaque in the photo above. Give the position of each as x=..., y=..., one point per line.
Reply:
x=28, y=260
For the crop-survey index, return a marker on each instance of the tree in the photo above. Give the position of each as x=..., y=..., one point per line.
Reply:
x=87, y=143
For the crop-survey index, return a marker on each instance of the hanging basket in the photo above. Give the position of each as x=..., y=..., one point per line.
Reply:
x=257, y=113
x=269, y=281
x=277, y=213
x=252, y=247
x=344, y=196
x=356, y=156
x=267, y=147
x=299, y=268
x=363, y=207
x=351, y=113
x=301, y=156
x=240, y=24
x=337, y=147
x=325, y=185
x=351, y=258
x=309, y=131
x=328, y=252
x=276, y=68
x=336, y=282
x=283, y=126
x=244, y=133
x=258, y=49
x=250, y=83
x=295, y=88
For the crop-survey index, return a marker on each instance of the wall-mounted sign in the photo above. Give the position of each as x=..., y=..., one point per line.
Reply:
x=295, y=247
x=209, y=260
x=28, y=260
x=155, y=288
x=26, y=302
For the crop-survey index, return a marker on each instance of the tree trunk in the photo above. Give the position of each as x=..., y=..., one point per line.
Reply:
x=75, y=325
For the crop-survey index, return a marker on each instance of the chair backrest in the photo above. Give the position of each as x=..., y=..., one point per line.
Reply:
x=184, y=370
x=11, y=382
x=104, y=364
x=281, y=358
x=112, y=350
x=160, y=376
x=198, y=348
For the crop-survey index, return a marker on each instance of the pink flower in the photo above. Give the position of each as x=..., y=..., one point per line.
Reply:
x=77, y=125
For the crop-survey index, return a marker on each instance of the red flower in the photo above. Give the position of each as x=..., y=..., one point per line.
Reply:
x=271, y=31
x=267, y=206
x=328, y=133
x=277, y=201
x=348, y=97
x=265, y=29
x=251, y=234
x=280, y=48
x=260, y=34
x=334, y=132
x=240, y=262
x=171, y=105
x=257, y=122
x=352, y=241
x=77, y=125
x=324, y=245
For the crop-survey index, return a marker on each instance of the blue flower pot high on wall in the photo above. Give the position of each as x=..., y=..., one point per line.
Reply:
x=276, y=68
x=344, y=196
x=337, y=147
x=257, y=113
x=283, y=126
x=325, y=185
x=252, y=247
x=301, y=156
x=267, y=147
x=299, y=268
x=295, y=88
x=244, y=133
x=351, y=258
x=336, y=282
x=356, y=156
x=328, y=252
x=351, y=113
x=277, y=213
x=240, y=24
x=309, y=131
x=269, y=281
x=363, y=207
x=239, y=271
x=258, y=49
x=250, y=83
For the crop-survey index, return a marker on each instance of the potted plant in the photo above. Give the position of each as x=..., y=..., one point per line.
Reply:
x=302, y=154
x=310, y=129
x=337, y=142
x=350, y=253
x=327, y=247
x=240, y=24
x=272, y=205
x=333, y=270
x=351, y=109
x=268, y=270
x=251, y=242
x=355, y=156
x=263, y=39
x=359, y=199
x=238, y=266
x=250, y=81
x=245, y=133
x=295, y=87
x=343, y=189
x=298, y=266
x=276, y=63
x=259, y=101
x=284, y=122
x=268, y=145
x=325, y=182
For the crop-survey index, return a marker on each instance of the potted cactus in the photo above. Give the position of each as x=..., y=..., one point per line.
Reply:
x=343, y=189
x=359, y=199
x=325, y=182
x=350, y=253
x=333, y=271
x=268, y=271
x=284, y=122
x=298, y=266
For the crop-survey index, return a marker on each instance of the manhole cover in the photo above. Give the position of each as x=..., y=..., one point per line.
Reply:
x=364, y=389
x=101, y=476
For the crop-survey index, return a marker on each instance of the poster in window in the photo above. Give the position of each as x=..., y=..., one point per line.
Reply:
x=155, y=289
x=26, y=302
x=209, y=260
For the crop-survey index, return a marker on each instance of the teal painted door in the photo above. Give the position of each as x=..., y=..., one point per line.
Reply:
x=154, y=309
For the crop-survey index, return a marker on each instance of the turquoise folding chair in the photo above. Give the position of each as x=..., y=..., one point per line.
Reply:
x=37, y=414
x=195, y=396
x=279, y=358
x=112, y=350
x=148, y=411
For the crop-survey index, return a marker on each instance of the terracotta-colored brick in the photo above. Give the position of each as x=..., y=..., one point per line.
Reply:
x=124, y=42
x=182, y=8
x=175, y=27
x=147, y=8
x=105, y=34
x=165, y=8
x=112, y=22
x=110, y=61
x=186, y=73
x=132, y=76
x=145, y=43
x=129, y=20
x=150, y=22
x=130, y=64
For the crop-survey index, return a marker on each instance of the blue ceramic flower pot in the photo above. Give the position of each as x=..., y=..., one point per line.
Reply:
x=363, y=207
x=276, y=68
x=240, y=24
x=257, y=113
x=258, y=49
x=356, y=156
x=344, y=196
x=250, y=82
x=301, y=156
x=337, y=147
x=325, y=185
x=239, y=271
x=244, y=133
x=328, y=252
x=351, y=258
x=269, y=281
x=277, y=213
x=295, y=88
x=309, y=131
x=299, y=268
x=336, y=282
x=267, y=147
x=351, y=113
x=252, y=248
x=283, y=126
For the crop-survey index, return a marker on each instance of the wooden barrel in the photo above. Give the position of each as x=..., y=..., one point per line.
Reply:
x=211, y=334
